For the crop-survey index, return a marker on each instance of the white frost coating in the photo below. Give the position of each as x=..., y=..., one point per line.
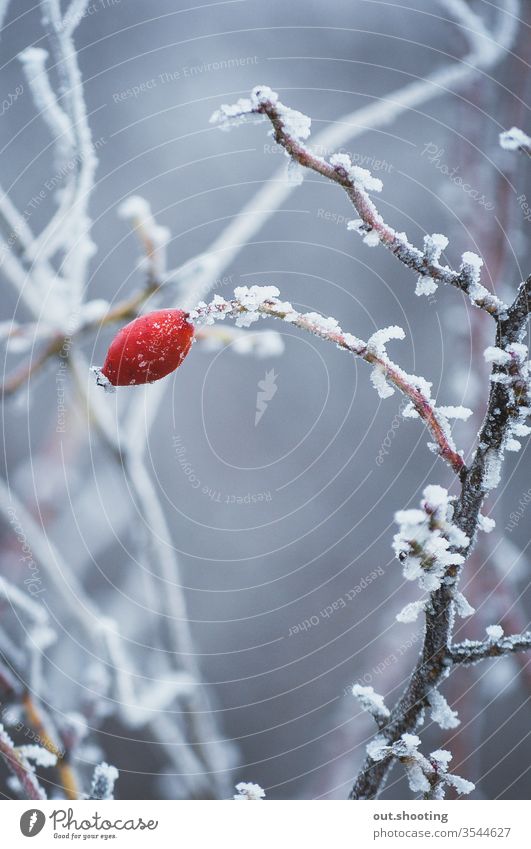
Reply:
x=518, y=351
x=470, y=272
x=417, y=780
x=372, y=239
x=463, y=606
x=295, y=123
x=425, y=537
x=39, y=755
x=460, y=784
x=423, y=774
x=247, y=791
x=409, y=743
x=473, y=264
x=410, y=612
x=441, y=712
x=342, y=160
x=441, y=757
x=378, y=380
x=263, y=94
x=425, y=286
x=492, y=473
x=406, y=746
x=363, y=179
x=252, y=296
x=33, y=61
x=370, y=701
x=494, y=632
x=514, y=139
x=486, y=524
x=434, y=245
x=103, y=780
x=8, y=749
x=461, y=413
x=409, y=412
x=377, y=342
x=357, y=226
x=496, y=355
x=230, y=115
x=137, y=210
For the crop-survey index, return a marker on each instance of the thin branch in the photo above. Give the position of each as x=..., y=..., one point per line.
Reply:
x=508, y=403
x=263, y=301
x=60, y=344
x=34, y=65
x=206, y=269
x=153, y=237
x=471, y=651
x=65, y=583
x=20, y=767
x=289, y=130
x=74, y=15
x=162, y=559
x=69, y=228
x=49, y=741
x=3, y=11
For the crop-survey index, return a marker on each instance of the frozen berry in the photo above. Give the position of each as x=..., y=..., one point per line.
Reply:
x=148, y=348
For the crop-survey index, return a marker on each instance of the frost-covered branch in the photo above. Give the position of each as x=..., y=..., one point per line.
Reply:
x=68, y=230
x=152, y=236
x=372, y=702
x=17, y=761
x=426, y=775
x=198, y=277
x=103, y=782
x=421, y=545
x=210, y=751
x=51, y=745
x=290, y=130
x=252, y=303
x=67, y=235
x=472, y=651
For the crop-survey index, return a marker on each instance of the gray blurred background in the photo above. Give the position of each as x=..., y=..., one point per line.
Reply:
x=331, y=460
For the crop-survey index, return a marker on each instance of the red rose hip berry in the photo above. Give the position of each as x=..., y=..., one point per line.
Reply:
x=148, y=348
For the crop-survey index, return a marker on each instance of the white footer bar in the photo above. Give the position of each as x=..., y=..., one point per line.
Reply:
x=267, y=824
